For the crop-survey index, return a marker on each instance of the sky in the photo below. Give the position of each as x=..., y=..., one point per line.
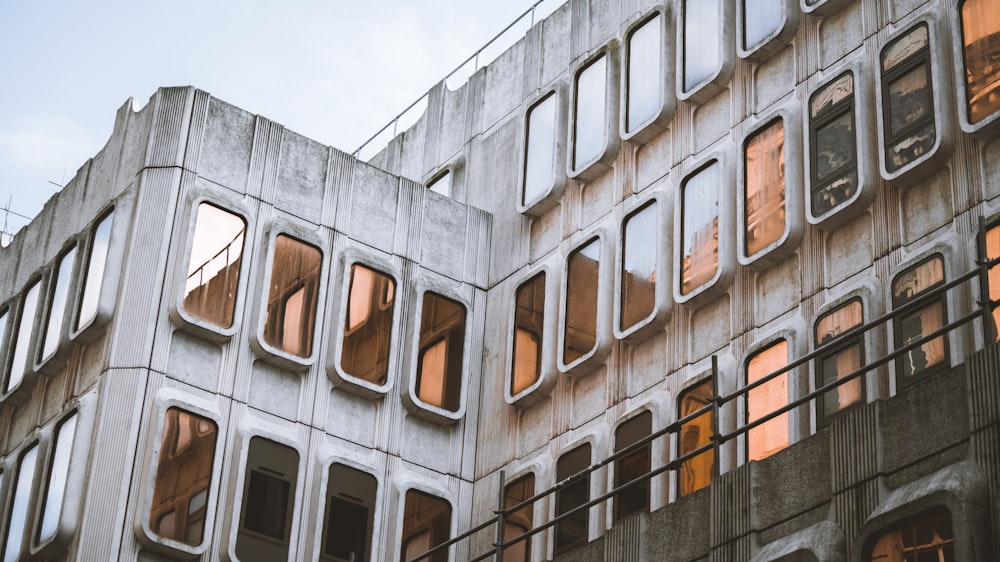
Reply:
x=333, y=70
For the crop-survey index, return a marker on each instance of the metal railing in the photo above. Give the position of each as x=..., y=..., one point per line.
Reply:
x=982, y=310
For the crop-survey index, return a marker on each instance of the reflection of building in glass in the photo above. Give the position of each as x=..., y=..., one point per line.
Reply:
x=765, y=188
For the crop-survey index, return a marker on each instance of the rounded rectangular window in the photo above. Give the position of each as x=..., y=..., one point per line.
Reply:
x=17, y=517
x=19, y=357
x=292, y=296
x=426, y=524
x=55, y=481
x=644, y=74
x=539, y=150
x=696, y=472
x=529, y=323
x=518, y=522
x=699, y=228
x=350, y=515
x=183, y=477
x=761, y=19
x=834, y=159
x=94, y=275
x=980, y=31
x=771, y=436
x=701, y=30
x=590, y=127
x=635, y=498
x=929, y=536
x=268, y=501
x=764, y=203
x=582, y=275
x=213, y=272
x=931, y=355
x=843, y=358
x=572, y=530
x=638, y=275
x=441, y=349
x=368, y=325
x=907, y=98
x=63, y=276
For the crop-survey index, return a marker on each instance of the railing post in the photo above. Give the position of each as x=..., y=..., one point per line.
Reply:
x=501, y=500
x=986, y=302
x=715, y=417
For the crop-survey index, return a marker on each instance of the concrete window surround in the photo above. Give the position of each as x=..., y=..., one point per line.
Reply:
x=765, y=27
x=985, y=126
x=648, y=99
x=711, y=33
x=592, y=138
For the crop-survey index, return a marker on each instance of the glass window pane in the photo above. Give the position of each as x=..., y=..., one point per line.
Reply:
x=350, y=514
x=368, y=325
x=60, y=294
x=842, y=360
x=213, y=273
x=927, y=537
x=268, y=496
x=635, y=498
x=56, y=483
x=638, y=298
x=581, y=301
x=529, y=321
x=591, y=129
x=761, y=18
x=981, y=50
x=572, y=530
x=19, y=365
x=915, y=324
x=908, y=98
x=702, y=29
x=765, y=187
x=696, y=472
x=439, y=362
x=700, y=228
x=183, y=473
x=17, y=518
x=520, y=521
x=644, y=82
x=540, y=150
x=94, y=277
x=992, y=253
x=426, y=524
x=772, y=436
x=291, y=300
x=3, y=331
x=834, y=157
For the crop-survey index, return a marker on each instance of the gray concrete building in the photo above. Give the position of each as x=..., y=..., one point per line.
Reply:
x=667, y=280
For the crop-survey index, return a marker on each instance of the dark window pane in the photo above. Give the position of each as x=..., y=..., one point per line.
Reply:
x=213, y=274
x=695, y=473
x=439, y=362
x=761, y=18
x=834, y=158
x=63, y=275
x=981, y=50
x=765, y=187
x=772, y=436
x=702, y=28
x=927, y=537
x=638, y=266
x=20, y=362
x=55, y=483
x=644, y=82
x=844, y=359
x=426, y=524
x=183, y=476
x=590, y=127
x=94, y=277
x=350, y=515
x=572, y=530
x=700, y=228
x=582, y=272
x=268, y=496
x=368, y=325
x=526, y=361
x=635, y=498
x=912, y=326
x=291, y=300
x=539, y=151
x=520, y=521
x=17, y=517
x=908, y=98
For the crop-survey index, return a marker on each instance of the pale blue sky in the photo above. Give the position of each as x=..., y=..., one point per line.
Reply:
x=333, y=70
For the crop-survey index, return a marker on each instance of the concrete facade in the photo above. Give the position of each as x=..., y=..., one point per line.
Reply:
x=128, y=352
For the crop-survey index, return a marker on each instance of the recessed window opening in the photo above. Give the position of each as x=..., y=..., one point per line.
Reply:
x=94, y=276
x=834, y=168
x=441, y=184
x=426, y=524
x=764, y=206
x=441, y=345
x=638, y=275
x=529, y=322
x=268, y=501
x=368, y=325
x=350, y=515
x=17, y=517
x=980, y=31
x=696, y=472
x=292, y=297
x=635, y=498
x=927, y=537
x=539, y=150
x=761, y=19
x=19, y=361
x=582, y=276
x=843, y=359
x=590, y=127
x=771, y=436
x=213, y=273
x=518, y=522
x=700, y=228
x=907, y=98
x=644, y=74
x=183, y=477
x=55, y=481
x=63, y=275
x=931, y=355
x=702, y=30
x=572, y=530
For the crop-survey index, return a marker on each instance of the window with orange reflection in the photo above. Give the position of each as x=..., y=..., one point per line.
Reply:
x=426, y=524
x=213, y=273
x=635, y=498
x=981, y=50
x=292, y=296
x=699, y=227
x=368, y=325
x=638, y=274
x=842, y=359
x=518, y=522
x=439, y=361
x=931, y=355
x=764, y=206
x=529, y=318
x=927, y=537
x=696, y=472
x=771, y=436
x=183, y=477
x=582, y=274
x=992, y=253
